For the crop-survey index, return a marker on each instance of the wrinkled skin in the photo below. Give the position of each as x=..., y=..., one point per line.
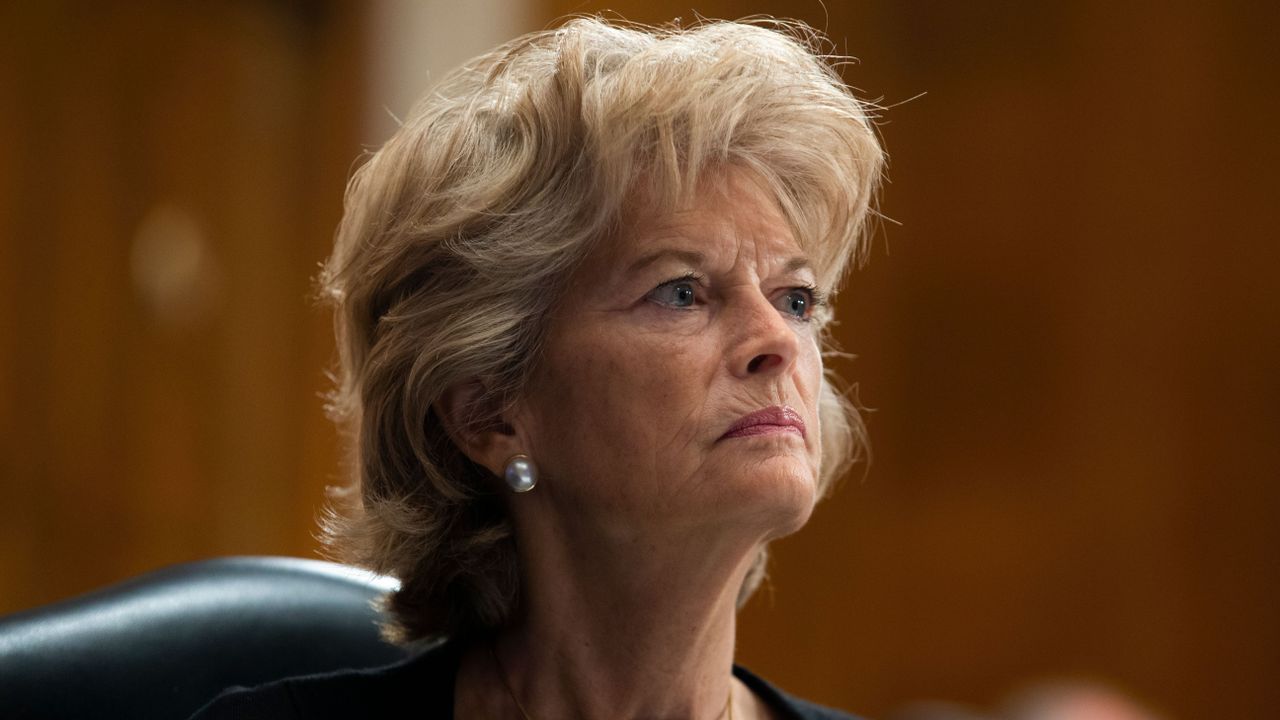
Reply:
x=626, y=415
x=646, y=520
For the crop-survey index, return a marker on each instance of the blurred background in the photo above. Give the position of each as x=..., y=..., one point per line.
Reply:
x=1070, y=337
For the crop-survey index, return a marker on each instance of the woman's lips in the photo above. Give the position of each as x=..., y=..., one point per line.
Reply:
x=774, y=419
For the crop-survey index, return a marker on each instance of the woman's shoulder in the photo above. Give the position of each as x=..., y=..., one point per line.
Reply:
x=786, y=705
x=425, y=679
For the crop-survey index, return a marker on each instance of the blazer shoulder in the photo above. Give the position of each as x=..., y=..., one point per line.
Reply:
x=788, y=706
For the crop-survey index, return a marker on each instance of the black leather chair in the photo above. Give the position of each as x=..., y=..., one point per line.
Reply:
x=163, y=644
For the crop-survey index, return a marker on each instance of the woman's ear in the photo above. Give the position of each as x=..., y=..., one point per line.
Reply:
x=472, y=419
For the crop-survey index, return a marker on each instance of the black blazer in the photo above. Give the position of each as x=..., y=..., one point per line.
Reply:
x=422, y=684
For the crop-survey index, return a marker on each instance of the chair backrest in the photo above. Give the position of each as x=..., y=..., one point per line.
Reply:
x=161, y=645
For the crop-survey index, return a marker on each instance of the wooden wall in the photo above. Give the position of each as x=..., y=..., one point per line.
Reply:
x=1070, y=342
x=170, y=176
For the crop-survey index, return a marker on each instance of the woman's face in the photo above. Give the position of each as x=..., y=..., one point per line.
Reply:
x=669, y=336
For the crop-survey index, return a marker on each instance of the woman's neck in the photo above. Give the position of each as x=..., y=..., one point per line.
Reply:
x=617, y=630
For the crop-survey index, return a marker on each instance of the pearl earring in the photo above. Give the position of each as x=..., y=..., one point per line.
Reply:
x=522, y=474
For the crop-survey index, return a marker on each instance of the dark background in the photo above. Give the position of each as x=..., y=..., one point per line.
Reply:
x=1069, y=335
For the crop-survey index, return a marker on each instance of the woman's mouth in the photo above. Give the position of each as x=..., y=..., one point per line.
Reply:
x=769, y=421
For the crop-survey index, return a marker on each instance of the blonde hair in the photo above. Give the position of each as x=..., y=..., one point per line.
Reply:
x=460, y=232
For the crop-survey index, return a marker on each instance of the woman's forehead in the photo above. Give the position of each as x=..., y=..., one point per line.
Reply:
x=728, y=214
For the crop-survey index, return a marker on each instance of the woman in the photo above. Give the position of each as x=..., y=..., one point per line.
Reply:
x=580, y=300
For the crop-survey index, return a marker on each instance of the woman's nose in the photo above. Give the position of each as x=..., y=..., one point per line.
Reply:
x=765, y=342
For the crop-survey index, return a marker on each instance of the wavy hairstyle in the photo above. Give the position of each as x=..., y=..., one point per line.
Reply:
x=460, y=232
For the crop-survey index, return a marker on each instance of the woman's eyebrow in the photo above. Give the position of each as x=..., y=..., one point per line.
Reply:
x=797, y=263
x=695, y=258
x=691, y=257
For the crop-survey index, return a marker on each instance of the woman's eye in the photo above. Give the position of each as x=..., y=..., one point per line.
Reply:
x=676, y=293
x=797, y=302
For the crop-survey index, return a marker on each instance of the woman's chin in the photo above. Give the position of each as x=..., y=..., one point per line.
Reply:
x=791, y=518
x=779, y=493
